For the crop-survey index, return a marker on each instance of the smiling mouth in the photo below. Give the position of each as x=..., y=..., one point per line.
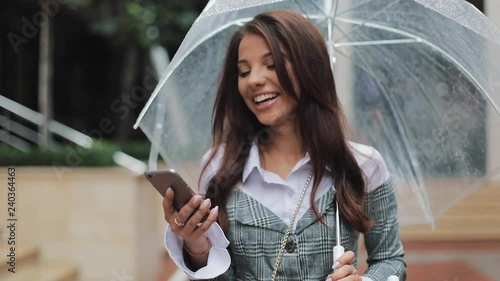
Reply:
x=265, y=98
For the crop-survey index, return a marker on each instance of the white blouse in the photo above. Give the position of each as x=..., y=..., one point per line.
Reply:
x=266, y=187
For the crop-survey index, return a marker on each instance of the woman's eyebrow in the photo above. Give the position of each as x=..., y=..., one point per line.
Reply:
x=266, y=55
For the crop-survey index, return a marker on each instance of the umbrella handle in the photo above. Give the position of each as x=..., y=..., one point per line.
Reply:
x=338, y=251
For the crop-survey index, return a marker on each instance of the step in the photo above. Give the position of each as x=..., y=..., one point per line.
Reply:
x=43, y=271
x=24, y=255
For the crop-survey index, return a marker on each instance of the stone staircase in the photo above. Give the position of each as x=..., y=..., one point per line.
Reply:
x=29, y=266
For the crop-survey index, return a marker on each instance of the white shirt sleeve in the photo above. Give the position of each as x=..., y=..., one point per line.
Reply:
x=363, y=278
x=218, y=257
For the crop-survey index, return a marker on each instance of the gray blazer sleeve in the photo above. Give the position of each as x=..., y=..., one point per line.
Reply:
x=382, y=242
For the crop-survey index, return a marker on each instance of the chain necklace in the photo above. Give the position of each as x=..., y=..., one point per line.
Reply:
x=289, y=230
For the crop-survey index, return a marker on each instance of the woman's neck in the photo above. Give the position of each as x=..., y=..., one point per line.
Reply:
x=283, y=151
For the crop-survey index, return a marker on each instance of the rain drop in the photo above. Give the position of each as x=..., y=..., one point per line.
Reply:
x=442, y=89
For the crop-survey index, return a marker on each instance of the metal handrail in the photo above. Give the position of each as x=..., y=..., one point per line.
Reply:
x=14, y=141
x=20, y=129
x=55, y=127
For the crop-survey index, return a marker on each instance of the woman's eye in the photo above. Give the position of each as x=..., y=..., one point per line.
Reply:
x=271, y=66
x=243, y=73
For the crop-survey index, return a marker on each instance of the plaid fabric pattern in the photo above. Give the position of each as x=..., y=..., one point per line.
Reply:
x=256, y=234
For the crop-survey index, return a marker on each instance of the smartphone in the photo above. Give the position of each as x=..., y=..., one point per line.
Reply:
x=163, y=179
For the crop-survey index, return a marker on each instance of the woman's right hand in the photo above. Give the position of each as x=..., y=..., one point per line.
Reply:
x=191, y=230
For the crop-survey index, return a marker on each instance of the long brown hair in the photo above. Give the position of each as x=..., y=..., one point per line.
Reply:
x=319, y=116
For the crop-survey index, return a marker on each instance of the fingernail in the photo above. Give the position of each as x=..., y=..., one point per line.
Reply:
x=329, y=279
x=169, y=190
x=206, y=203
x=214, y=210
x=197, y=198
x=335, y=265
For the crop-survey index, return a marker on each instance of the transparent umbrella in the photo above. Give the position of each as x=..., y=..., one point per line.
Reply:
x=417, y=80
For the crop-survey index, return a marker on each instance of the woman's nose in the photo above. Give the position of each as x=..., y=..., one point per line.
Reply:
x=257, y=78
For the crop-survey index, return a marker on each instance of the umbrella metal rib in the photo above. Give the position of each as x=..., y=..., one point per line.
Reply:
x=427, y=43
x=422, y=196
x=375, y=42
x=172, y=67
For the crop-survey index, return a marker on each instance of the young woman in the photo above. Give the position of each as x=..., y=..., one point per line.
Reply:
x=279, y=166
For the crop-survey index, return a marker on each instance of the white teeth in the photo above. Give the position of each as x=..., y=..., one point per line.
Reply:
x=264, y=97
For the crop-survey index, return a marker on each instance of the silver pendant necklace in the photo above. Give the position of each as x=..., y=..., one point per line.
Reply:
x=290, y=226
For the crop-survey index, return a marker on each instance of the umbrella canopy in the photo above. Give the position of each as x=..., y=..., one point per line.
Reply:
x=417, y=80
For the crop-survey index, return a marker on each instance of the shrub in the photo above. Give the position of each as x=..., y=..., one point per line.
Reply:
x=100, y=154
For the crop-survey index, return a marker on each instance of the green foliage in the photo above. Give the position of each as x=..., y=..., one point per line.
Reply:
x=100, y=154
x=136, y=149
x=141, y=22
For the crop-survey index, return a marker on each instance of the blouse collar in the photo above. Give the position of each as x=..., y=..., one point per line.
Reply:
x=253, y=162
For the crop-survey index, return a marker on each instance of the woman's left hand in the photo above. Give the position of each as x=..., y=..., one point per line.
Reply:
x=344, y=271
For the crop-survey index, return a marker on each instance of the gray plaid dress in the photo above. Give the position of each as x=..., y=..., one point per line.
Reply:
x=256, y=233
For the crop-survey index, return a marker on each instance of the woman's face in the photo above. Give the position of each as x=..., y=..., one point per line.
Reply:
x=258, y=83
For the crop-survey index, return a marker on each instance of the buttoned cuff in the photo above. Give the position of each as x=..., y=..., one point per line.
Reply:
x=218, y=257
